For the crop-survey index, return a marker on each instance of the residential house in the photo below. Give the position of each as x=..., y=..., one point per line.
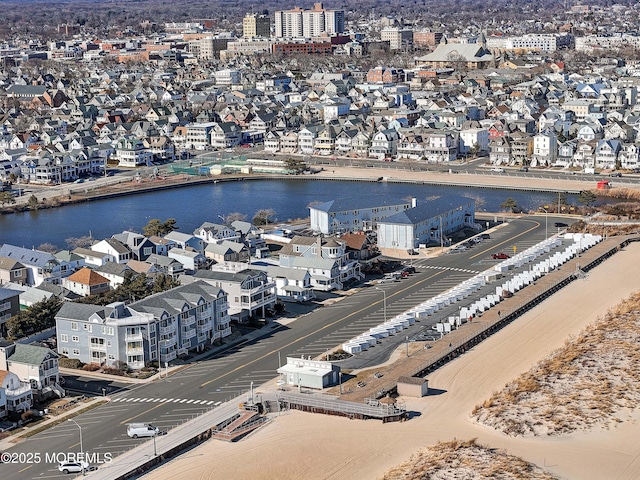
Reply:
x=440, y=146
x=216, y=233
x=500, y=150
x=115, y=272
x=12, y=271
x=545, y=149
x=41, y=266
x=131, y=152
x=190, y=260
x=166, y=265
x=628, y=156
x=474, y=141
x=384, y=144
x=359, y=246
x=155, y=329
x=9, y=306
x=227, y=251
x=325, y=258
x=521, y=148
x=94, y=258
x=86, y=282
x=114, y=248
x=606, y=154
x=34, y=365
x=17, y=396
x=250, y=293
x=185, y=241
x=291, y=284
x=225, y=135
x=585, y=154
x=139, y=245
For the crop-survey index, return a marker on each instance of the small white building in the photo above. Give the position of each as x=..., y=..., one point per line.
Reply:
x=307, y=373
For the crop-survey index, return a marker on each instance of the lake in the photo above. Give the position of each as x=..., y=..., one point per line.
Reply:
x=192, y=205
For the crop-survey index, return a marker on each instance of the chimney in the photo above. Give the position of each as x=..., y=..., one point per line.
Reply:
x=414, y=202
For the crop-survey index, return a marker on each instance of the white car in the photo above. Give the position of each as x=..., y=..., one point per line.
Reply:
x=73, y=467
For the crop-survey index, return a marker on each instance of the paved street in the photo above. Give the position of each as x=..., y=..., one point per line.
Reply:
x=209, y=383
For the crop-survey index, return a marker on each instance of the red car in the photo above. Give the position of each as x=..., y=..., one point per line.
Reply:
x=500, y=256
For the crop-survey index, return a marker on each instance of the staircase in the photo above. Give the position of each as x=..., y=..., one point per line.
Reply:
x=237, y=426
x=58, y=390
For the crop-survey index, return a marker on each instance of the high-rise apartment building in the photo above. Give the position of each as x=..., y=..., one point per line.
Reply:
x=297, y=23
x=254, y=25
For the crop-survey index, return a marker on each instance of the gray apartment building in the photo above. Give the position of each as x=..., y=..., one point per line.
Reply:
x=155, y=329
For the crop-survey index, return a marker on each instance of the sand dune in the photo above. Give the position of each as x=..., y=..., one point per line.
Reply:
x=306, y=446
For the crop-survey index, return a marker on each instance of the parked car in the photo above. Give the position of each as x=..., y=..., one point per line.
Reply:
x=409, y=269
x=135, y=430
x=615, y=174
x=560, y=225
x=73, y=467
x=500, y=256
x=497, y=170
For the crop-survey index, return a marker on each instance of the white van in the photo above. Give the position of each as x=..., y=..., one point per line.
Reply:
x=135, y=430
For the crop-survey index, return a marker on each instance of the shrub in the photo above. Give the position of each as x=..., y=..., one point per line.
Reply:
x=26, y=416
x=70, y=363
x=91, y=367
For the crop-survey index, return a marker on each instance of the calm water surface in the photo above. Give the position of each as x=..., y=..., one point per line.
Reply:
x=191, y=206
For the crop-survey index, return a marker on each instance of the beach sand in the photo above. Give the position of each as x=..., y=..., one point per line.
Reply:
x=300, y=445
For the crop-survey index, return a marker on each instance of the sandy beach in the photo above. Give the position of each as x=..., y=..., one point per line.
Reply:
x=301, y=445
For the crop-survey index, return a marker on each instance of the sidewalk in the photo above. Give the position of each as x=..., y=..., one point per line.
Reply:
x=14, y=438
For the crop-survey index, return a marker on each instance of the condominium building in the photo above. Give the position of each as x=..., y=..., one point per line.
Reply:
x=297, y=23
x=155, y=329
x=254, y=25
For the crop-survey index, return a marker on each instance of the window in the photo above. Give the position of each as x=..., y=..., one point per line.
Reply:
x=112, y=356
x=75, y=338
x=147, y=250
x=64, y=337
x=17, y=273
x=87, y=327
x=152, y=327
x=76, y=351
x=65, y=351
x=74, y=326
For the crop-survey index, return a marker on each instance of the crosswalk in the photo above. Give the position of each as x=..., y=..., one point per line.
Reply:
x=185, y=401
x=451, y=269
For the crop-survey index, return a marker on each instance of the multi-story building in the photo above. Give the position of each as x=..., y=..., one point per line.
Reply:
x=199, y=135
x=15, y=396
x=353, y=214
x=40, y=266
x=398, y=38
x=250, y=293
x=536, y=42
x=254, y=25
x=155, y=329
x=299, y=23
x=426, y=38
x=545, y=149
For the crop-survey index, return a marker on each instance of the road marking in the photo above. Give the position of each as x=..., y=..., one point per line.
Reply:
x=20, y=471
x=163, y=400
x=183, y=400
x=210, y=402
x=509, y=240
x=218, y=403
x=324, y=327
x=189, y=401
x=140, y=414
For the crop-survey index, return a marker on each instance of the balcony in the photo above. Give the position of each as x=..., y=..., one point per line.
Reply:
x=133, y=337
x=187, y=334
x=20, y=394
x=224, y=333
x=188, y=322
x=167, y=342
x=204, y=327
x=167, y=357
x=202, y=338
x=168, y=330
x=135, y=351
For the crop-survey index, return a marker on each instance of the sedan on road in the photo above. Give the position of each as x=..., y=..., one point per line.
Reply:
x=500, y=256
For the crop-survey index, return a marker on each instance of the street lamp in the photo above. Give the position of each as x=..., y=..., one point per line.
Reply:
x=407, y=340
x=384, y=302
x=81, y=449
x=546, y=223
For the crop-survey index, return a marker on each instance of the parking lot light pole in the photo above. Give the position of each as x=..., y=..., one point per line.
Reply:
x=384, y=302
x=546, y=223
x=81, y=449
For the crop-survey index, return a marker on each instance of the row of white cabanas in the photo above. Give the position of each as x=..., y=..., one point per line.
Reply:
x=580, y=243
